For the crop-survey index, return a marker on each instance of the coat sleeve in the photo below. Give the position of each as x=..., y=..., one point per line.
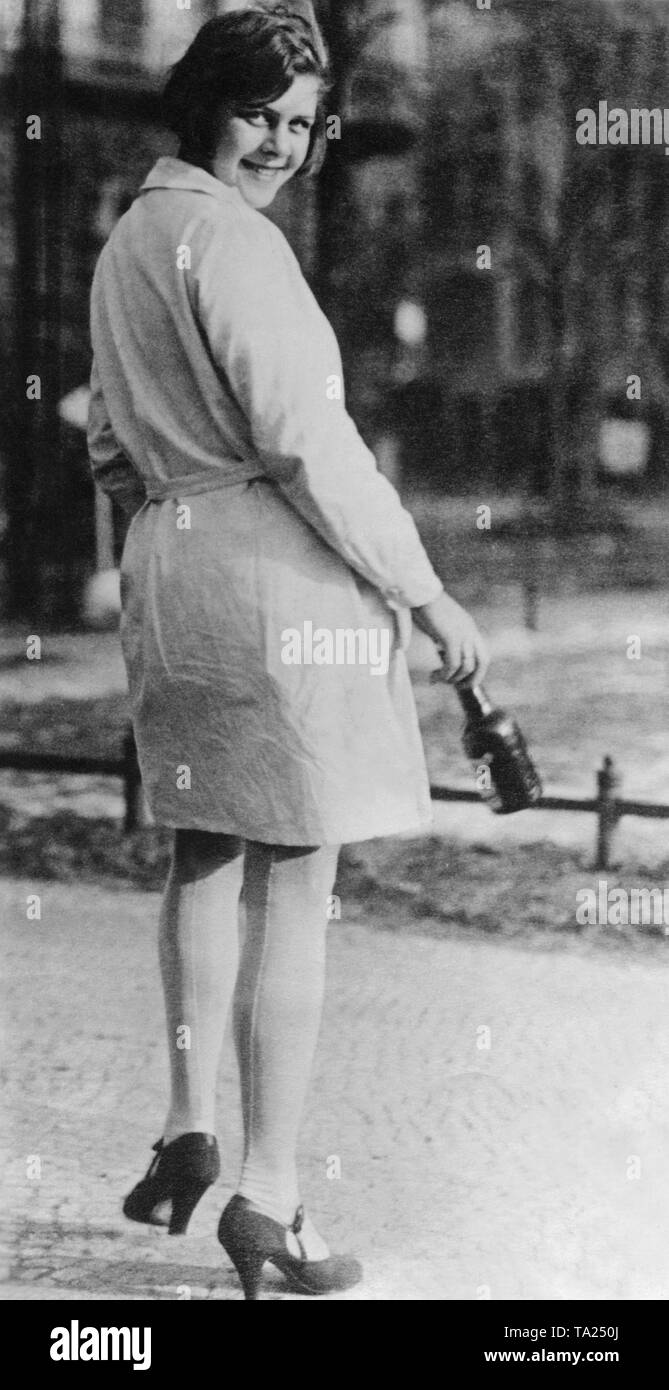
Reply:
x=279, y=358
x=112, y=470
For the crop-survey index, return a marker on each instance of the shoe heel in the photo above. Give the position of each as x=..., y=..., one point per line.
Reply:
x=249, y=1266
x=183, y=1206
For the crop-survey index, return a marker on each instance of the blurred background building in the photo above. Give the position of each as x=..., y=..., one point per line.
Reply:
x=502, y=373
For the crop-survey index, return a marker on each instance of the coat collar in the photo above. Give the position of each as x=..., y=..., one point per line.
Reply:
x=170, y=172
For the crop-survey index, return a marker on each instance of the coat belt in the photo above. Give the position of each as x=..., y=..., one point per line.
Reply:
x=194, y=483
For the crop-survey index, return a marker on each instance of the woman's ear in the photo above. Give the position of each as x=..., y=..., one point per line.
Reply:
x=317, y=146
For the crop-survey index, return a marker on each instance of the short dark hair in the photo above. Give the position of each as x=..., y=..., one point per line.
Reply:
x=239, y=60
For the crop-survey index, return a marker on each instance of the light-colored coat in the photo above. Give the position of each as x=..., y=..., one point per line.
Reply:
x=216, y=395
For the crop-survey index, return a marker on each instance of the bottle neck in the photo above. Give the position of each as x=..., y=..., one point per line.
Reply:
x=474, y=701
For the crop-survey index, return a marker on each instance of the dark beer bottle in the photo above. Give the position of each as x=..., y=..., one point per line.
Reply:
x=492, y=737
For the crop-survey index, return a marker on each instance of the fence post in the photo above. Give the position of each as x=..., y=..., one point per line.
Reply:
x=132, y=785
x=531, y=603
x=608, y=783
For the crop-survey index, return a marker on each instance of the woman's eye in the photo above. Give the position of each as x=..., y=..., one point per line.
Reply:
x=303, y=123
x=255, y=117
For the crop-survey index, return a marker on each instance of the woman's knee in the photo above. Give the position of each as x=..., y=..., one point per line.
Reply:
x=198, y=852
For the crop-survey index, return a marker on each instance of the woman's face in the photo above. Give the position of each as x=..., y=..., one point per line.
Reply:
x=260, y=149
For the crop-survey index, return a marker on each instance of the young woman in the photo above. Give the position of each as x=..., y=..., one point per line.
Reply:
x=258, y=514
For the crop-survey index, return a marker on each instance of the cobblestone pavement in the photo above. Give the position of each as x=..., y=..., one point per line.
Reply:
x=531, y=1168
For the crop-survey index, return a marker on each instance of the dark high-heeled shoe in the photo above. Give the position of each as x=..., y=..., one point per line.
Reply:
x=250, y=1238
x=177, y=1178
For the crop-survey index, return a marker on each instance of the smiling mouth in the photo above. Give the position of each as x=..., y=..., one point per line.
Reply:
x=264, y=171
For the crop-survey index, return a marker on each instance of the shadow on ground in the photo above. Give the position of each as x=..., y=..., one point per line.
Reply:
x=56, y=1257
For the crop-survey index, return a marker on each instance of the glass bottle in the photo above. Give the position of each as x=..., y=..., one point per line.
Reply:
x=492, y=738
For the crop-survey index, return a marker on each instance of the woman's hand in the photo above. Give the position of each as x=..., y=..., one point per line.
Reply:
x=463, y=650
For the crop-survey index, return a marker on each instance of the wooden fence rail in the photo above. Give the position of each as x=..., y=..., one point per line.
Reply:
x=606, y=805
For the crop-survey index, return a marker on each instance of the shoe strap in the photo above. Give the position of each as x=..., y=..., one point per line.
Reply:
x=296, y=1227
x=155, y=1162
x=298, y=1221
